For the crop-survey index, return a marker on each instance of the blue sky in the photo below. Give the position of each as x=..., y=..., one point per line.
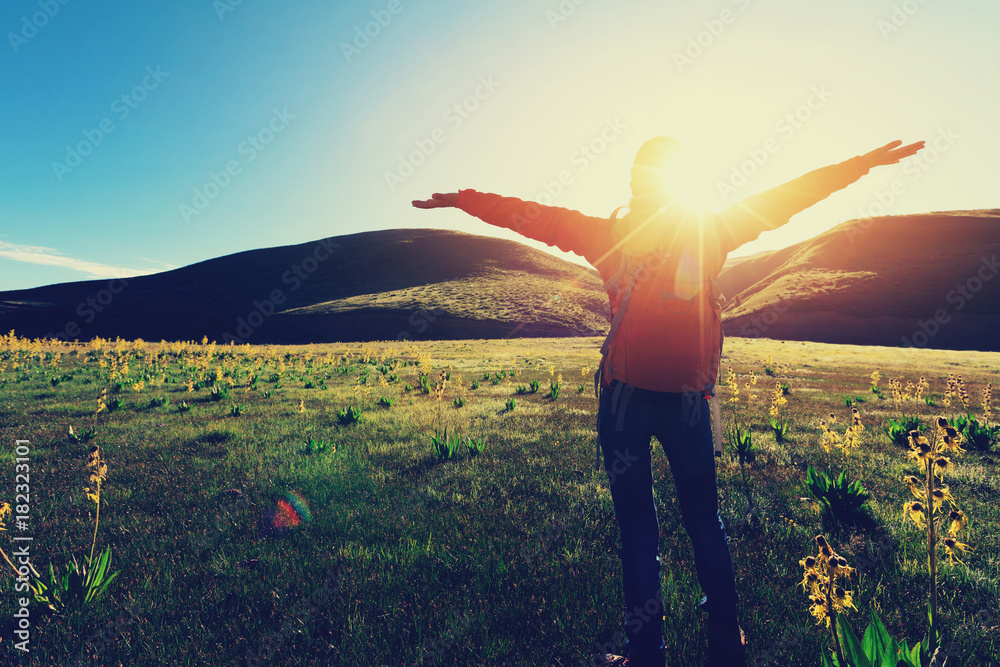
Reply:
x=137, y=137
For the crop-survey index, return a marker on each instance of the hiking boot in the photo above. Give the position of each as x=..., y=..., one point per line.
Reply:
x=610, y=660
x=727, y=645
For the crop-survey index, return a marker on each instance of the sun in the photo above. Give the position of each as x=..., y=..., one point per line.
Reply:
x=688, y=178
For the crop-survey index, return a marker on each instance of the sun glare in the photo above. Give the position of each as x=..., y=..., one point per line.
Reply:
x=688, y=177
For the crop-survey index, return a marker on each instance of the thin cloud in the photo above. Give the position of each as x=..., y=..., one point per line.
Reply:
x=53, y=257
x=166, y=265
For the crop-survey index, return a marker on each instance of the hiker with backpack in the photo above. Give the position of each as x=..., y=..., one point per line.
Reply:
x=660, y=362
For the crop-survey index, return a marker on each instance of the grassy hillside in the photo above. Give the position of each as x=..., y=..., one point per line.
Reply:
x=875, y=281
x=922, y=280
x=504, y=558
x=410, y=283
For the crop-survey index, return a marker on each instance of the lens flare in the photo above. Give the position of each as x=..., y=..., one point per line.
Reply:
x=288, y=513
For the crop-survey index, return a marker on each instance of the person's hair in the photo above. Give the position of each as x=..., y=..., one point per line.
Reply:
x=648, y=196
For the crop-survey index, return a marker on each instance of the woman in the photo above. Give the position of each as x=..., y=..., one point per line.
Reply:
x=661, y=360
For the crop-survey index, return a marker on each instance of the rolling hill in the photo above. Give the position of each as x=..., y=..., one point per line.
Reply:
x=382, y=285
x=919, y=280
x=915, y=280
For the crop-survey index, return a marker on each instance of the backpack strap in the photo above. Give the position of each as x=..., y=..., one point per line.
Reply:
x=631, y=278
x=719, y=300
x=717, y=424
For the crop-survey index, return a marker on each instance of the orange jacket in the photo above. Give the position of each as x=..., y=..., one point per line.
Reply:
x=669, y=337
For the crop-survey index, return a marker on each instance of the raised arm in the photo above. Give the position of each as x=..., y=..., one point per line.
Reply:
x=566, y=229
x=744, y=221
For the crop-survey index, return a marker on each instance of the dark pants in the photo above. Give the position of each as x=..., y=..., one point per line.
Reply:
x=681, y=423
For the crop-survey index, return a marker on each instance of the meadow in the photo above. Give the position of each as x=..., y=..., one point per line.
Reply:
x=300, y=505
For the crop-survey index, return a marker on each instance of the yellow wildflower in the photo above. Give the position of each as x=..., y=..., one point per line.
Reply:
x=958, y=521
x=951, y=545
x=856, y=420
x=811, y=581
x=842, y=599
x=916, y=486
x=838, y=567
x=915, y=510
x=952, y=440
x=940, y=496
x=921, y=453
x=941, y=465
x=818, y=609
x=98, y=471
x=820, y=581
x=876, y=378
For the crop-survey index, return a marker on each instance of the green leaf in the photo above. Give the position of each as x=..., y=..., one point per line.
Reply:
x=877, y=641
x=851, y=645
x=889, y=659
x=100, y=591
x=102, y=565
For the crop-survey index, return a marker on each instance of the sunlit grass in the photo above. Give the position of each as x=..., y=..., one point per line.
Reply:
x=513, y=548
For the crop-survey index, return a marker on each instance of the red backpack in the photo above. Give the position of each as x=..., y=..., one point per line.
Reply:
x=666, y=326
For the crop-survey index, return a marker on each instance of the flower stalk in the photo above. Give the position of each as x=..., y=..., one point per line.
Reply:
x=822, y=573
x=929, y=512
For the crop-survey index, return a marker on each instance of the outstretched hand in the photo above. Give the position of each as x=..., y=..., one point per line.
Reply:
x=891, y=153
x=438, y=200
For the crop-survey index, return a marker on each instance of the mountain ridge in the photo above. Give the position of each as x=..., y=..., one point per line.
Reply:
x=920, y=280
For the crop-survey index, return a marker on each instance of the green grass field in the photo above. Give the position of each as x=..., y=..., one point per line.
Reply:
x=503, y=558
